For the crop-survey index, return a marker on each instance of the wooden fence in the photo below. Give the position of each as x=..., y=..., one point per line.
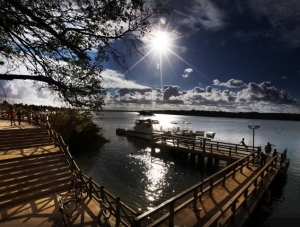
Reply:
x=168, y=207
x=122, y=213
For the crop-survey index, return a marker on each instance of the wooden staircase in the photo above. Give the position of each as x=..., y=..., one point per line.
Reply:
x=30, y=166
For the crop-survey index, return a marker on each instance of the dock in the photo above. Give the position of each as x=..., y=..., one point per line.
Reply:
x=226, y=198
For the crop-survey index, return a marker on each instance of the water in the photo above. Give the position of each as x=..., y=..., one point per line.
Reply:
x=126, y=168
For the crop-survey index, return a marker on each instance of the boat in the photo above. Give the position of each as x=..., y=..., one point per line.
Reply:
x=145, y=126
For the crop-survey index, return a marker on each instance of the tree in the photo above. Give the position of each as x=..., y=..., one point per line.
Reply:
x=65, y=42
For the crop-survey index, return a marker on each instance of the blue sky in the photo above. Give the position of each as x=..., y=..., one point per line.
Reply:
x=217, y=55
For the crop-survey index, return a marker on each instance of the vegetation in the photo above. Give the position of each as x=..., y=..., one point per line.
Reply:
x=66, y=43
x=77, y=129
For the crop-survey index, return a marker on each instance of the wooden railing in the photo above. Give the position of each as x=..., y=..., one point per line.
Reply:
x=122, y=213
x=240, y=199
x=205, y=145
x=193, y=193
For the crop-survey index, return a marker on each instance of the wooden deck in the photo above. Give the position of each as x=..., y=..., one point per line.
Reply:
x=226, y=198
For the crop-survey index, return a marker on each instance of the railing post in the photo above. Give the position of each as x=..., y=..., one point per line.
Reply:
x=90, y=188
x=211, y=148
x=195, y=199
x=171, y=217
x=204, y=144
x=248, y=161
x=217, y=146
x=255, y=186
x=229, y=151
x=235, y=148
x=118, y=209
x=246, y=197
x=102, y=193
x=233, y=209
x=211, y=183
x=71, y=164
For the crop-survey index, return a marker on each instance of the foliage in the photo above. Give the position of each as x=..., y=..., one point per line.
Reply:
x=77, y=129
x=65, y=43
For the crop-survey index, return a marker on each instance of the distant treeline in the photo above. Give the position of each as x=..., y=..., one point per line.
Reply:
x=249, y=115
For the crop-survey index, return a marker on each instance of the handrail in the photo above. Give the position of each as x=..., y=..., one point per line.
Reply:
x=205, y=145
x=120, y=211
x=256, y=181
x=197, y=191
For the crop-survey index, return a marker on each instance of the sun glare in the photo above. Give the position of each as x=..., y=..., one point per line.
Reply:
x=161, y=41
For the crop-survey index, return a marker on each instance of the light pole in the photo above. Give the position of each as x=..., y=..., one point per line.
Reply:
x=253, y=127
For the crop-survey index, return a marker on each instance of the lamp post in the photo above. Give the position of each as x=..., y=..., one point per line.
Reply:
x=253, y=127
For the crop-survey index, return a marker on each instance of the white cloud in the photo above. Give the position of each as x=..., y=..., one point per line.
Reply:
x=186, y=72
x=115, y=79
x=232, y=83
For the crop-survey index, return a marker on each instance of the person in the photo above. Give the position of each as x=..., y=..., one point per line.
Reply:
x=275, y=152
x=263, y=157
x=19, y=115
x=29, y=115
x=258, y=151
x=268, y=149
x=243, y=143
x=12, y=116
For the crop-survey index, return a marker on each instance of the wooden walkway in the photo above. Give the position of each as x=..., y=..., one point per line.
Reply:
x=226, y=198
x=41, y=211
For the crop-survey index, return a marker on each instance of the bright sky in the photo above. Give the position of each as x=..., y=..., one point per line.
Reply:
x=207, y=55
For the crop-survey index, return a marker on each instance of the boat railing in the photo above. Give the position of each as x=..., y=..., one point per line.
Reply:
x=122, y=213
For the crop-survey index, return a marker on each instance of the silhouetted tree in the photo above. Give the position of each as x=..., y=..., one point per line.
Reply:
x=65, y=42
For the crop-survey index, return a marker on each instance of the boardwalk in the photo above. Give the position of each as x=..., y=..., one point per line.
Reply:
x=227, y=197
x=42, y=211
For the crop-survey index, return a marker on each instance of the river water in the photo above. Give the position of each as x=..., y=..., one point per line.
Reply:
x=126, y=168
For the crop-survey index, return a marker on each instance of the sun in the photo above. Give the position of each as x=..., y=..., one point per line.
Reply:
x=161, y=41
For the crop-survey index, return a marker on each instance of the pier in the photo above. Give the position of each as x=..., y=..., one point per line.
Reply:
x=226, y=198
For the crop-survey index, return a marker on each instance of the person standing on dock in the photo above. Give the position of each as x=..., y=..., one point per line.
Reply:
x=263, y=157
x=12, y=116
x=243, y=143
x=268, y=149
x=19, y=115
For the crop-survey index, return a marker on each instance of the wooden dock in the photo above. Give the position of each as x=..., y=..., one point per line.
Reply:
x=226, y=198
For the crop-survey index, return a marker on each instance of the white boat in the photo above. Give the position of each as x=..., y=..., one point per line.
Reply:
x=145, y=126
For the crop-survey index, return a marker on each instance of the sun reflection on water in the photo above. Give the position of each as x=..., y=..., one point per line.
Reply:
x=154, y=172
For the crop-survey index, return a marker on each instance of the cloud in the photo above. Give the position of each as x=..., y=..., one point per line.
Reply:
x=115, y=79
x=263, y=97
x=201, y=14
x=186, y=72
x=232, y=83
x=283, y=18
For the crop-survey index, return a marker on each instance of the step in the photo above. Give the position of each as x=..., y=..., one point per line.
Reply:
x=18, y=139
x=14, y=184
x=25, y=145
x=20, y=163
x=40, y=185
x=30, y=170
x=34, y=194
x=31, y=158
x=28, y=165
x=4, y=134
x=19, y=179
